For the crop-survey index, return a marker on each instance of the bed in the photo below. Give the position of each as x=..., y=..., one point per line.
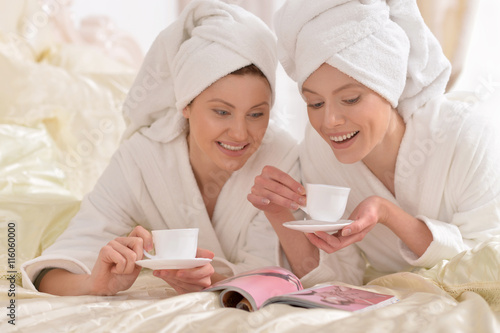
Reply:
x=460, y=295
x=60, y=121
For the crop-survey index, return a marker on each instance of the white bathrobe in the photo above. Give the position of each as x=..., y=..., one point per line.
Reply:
x=151, y=183
x=447, y=175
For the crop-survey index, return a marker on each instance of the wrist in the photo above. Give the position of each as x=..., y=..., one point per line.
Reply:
x=384, y=209
x=280, y=217
x=391, y=215
x=89, y=286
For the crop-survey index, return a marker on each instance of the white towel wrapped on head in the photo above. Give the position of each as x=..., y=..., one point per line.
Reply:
x=384, y=45
x=209, y=40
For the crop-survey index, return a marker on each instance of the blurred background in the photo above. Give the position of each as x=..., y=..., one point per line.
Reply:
x=469, y=31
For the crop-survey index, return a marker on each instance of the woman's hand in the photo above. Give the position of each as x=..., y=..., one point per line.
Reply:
x=366, y=215
x=189, y=280
x=115, y=269
x=274, y=192
x=277, y=193
x=412, y=231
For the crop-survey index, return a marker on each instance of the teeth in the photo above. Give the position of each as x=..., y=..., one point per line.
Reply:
x=233, y=148
x=343, y=137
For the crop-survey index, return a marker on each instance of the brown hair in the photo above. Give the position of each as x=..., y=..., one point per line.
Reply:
x=248, y=70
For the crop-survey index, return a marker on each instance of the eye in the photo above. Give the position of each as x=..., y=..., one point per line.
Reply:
x=221, y=112
x=315, y=105
x=351, y=101
x=256, y=114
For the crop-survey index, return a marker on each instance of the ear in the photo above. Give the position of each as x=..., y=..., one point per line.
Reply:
x=186, y=112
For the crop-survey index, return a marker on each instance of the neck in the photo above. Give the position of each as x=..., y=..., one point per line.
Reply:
x=209, y=177
x=382, y=160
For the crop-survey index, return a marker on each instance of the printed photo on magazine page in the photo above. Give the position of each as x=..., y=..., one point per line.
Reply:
x=270, y=285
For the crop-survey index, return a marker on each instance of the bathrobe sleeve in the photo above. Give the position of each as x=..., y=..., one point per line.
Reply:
x=471, y=195
x=107, y=212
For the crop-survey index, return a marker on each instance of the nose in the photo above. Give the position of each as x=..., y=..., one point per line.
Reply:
x=332, y=117
x=238, y=130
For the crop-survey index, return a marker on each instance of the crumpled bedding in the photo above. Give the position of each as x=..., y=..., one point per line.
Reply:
x=60, y=121
x=149, y=305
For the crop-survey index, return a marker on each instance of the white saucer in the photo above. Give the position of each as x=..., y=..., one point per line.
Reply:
x=313, y=226
x=172, y=263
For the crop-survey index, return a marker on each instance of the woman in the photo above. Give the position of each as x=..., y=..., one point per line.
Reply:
x=197, y=117
x=421, y=165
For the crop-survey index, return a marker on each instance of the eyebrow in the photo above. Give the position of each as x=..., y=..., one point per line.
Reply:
x=260, y=104
x=345, y=86
x=221, y=101
x=232, y=106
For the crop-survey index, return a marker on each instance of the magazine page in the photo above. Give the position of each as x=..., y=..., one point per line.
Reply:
x=335, y=296
x=249, y=290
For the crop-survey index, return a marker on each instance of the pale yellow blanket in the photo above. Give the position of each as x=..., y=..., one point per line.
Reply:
x=437, y=300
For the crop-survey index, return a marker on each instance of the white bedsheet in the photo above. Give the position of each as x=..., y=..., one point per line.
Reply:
x=151, y=306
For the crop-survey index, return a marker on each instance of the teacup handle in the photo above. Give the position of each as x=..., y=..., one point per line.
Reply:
x=150, y=256
x=304, y=209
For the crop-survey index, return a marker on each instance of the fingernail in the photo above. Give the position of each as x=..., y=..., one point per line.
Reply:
x=302, y=201
x=301, y=190
x=294, y=206
x=156, y=273
x=266, y=201
x=346, y=232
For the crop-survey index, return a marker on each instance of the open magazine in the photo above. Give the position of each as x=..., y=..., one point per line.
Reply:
x=255, y=289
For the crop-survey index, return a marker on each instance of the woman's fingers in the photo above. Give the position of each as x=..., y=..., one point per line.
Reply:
x=145, y=235
x=318, y=240
x=331, y=243
x=136, y=244
x=283, y=178
x=196, y=274
x=277, y=187
x=258, y=201
x=203, y=253
x=187, y=280
x=122, y=253
x=184, y=288
x=276, y=193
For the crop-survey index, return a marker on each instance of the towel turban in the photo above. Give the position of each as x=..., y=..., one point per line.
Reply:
x=208, y=41
x=384, y=45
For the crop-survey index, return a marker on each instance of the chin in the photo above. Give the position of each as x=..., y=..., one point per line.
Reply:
x=232, y=166
x=342, y=158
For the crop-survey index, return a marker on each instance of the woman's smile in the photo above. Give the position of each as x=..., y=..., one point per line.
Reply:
x=343, y=140
x=233, y=149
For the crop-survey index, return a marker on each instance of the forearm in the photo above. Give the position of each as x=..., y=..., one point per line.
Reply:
x=301, y=254
x=63, y=283
x=412, y=231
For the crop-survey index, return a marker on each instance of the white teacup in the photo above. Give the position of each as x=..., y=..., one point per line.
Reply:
x=174, y=244
x=326, y=202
